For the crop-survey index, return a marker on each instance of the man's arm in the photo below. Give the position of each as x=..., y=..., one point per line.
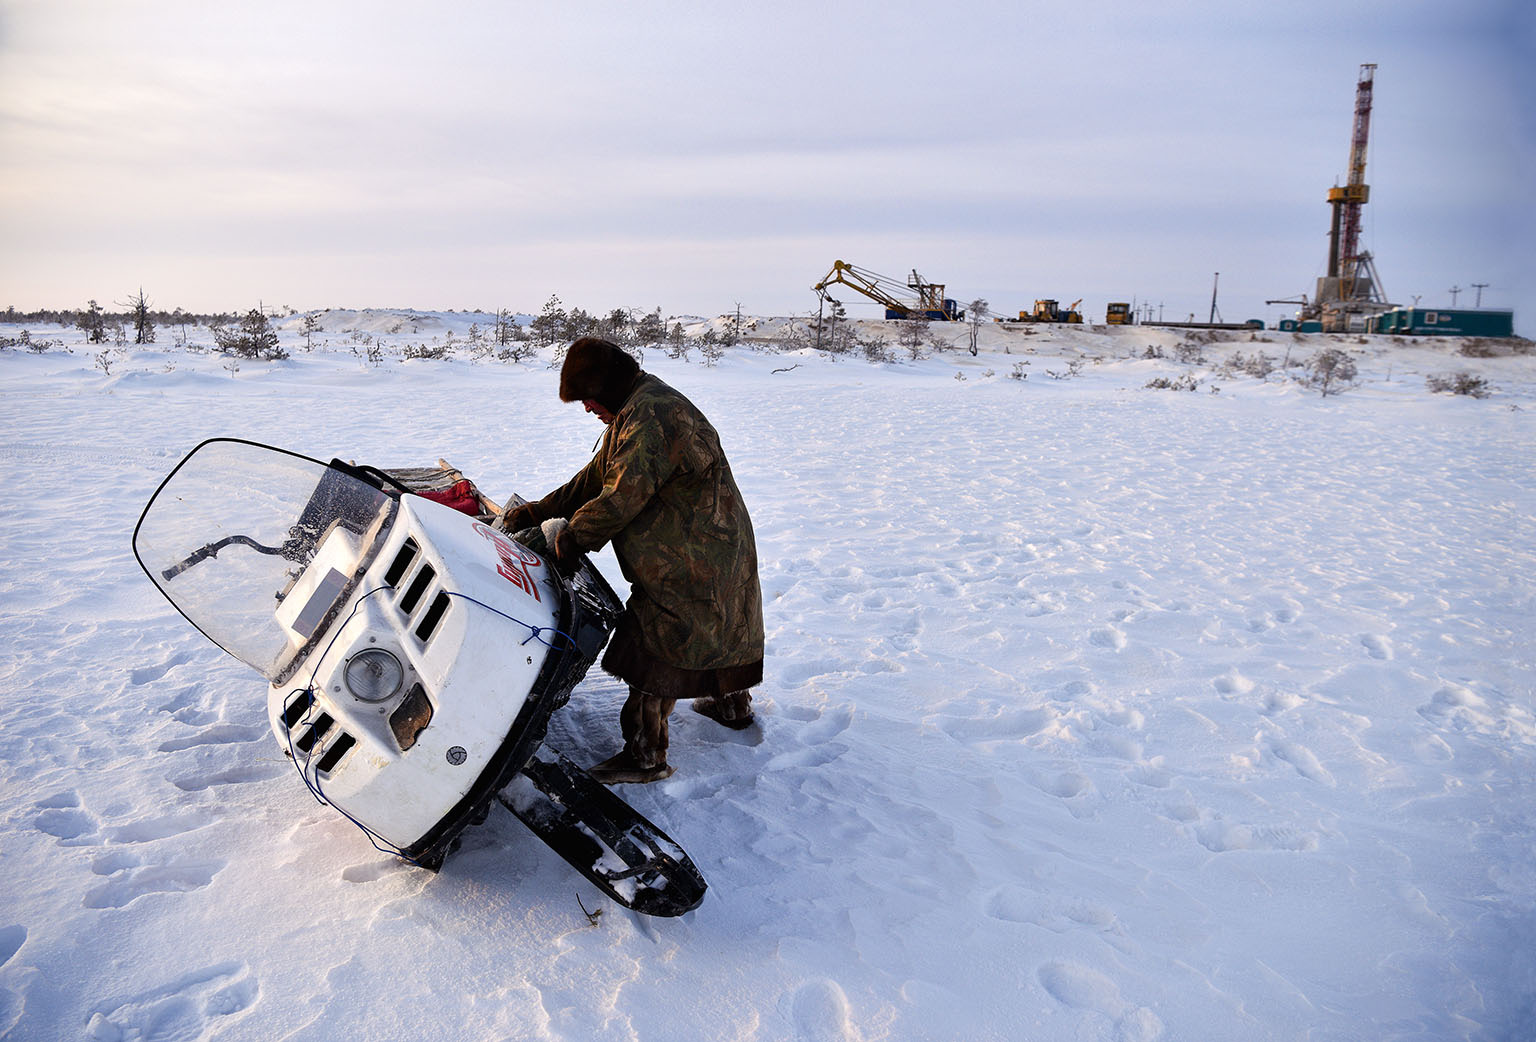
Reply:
x=640, y=463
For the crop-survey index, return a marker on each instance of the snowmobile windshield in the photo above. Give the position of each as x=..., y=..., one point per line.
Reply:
x=261, y=548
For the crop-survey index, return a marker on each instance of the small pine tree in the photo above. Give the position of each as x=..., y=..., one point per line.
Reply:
x=506, y=327
x=548, y=327
x=310, y=327
x=913, y=334
x=252, y=338
x=652, y=329
x=93, y=324
x=143, y=325
x=976, y=313
x=677, y=342
x=711, y=347
x=617, y=327
x=579, y=324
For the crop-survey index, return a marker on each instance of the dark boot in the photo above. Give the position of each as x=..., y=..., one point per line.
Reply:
x=622, y=769
x=643, y=722
x=733, y=709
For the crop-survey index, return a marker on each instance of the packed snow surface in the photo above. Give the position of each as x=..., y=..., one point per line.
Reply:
x=1092, y=711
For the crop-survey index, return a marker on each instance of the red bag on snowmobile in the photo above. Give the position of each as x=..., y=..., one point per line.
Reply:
x=460, y=497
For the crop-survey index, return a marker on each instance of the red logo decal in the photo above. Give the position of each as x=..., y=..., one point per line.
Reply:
x=514, y=561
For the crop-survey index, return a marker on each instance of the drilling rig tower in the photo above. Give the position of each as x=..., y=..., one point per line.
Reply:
x=1351, y=292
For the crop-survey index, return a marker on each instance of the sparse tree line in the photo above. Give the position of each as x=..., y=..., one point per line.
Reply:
x=251, y=335
x=1328, y=370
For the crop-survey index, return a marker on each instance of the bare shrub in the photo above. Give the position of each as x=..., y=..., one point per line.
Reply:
x=1330, y=371
x=1163, y=383
x=1458, y=383
x=912, y=335
x=517, y=351
x=876, y=349
x=1258, y=366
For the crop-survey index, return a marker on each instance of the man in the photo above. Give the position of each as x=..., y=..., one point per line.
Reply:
x=660, y=489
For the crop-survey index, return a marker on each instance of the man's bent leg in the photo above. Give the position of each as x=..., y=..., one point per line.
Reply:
x=643, y=723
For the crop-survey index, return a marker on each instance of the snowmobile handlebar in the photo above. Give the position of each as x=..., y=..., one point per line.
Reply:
x=288, y=549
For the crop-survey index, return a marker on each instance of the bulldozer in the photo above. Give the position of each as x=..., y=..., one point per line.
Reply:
x=1051, y=311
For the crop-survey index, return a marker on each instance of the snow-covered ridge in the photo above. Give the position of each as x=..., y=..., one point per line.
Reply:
x=1144, y=357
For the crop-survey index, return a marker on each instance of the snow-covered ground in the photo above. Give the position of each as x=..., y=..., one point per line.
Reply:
x=1092, y=711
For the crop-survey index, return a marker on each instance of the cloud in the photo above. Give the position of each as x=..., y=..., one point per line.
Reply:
x=488, y=144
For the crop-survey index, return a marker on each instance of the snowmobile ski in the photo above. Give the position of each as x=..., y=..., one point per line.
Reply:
x=613, y=845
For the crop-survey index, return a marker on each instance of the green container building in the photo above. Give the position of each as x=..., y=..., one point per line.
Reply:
x=1445, y=322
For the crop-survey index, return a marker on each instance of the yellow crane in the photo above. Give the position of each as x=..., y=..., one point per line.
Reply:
x=919, y=298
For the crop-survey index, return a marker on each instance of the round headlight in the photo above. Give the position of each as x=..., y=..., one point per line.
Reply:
x=374, y=675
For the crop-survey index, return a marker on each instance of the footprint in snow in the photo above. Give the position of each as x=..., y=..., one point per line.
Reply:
x=831, y=723
x=1066, y=786
x=148, y=830
x=1281, y=701
x=115, y=861
x=1080, y=987
x=1233, y=683
x=193, y=1006
x=1012, y=904
x=1004, y=726
x=1151, y=776
x=818, y=747
x=799, y=673
x=243, y=774
x=810, y=757
x=150, y=674
x=821, y=1013
x=62, y=817
x=131, y=884
x=218, y=734
x=1378, y=647
x=371, y=871
x=1306, y=763
x=186, y=707
x=1221, y=837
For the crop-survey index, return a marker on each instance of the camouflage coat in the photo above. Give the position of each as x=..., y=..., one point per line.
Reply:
x=660, y=489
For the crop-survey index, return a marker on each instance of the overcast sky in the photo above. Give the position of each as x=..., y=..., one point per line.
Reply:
x=695, y=156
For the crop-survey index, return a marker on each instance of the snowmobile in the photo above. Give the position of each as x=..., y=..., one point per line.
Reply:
x=414, y=653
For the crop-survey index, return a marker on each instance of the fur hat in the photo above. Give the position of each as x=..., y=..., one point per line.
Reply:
x=598, y=371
